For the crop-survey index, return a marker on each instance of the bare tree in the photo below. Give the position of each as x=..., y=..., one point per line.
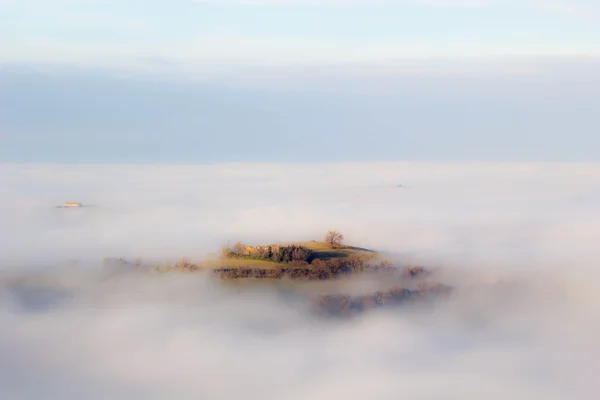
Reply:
x=226, y=251
x=238, y=249
x=334, y=238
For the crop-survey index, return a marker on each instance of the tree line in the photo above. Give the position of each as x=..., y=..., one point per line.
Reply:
x=317, y=270
x=278, y=254
x=343, y=305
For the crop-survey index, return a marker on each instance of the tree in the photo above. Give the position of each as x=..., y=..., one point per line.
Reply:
x=239, y=249
x=334, y=238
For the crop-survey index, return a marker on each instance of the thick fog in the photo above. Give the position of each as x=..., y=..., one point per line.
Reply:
x=72, y=330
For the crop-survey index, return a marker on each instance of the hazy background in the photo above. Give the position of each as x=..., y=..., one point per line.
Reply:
x=61, y=115
x=215, y=81
x=78, y=332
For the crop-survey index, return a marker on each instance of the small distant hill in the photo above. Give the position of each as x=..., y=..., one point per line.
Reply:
x=262, y=256
x=321, y=272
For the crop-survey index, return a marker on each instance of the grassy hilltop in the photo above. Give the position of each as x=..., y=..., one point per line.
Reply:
x=264, y=260
x=314, y=254
x=241, y=255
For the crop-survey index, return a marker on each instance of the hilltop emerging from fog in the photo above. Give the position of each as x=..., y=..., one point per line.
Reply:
x=326, y=269
x=312, y=255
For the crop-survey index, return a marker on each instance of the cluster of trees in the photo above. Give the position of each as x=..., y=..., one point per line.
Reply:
x=296, y=273
x=286, y=254
x=340, y=305
x=279, y=254
x=238, y=250
x=184, y=264
x=301, y=270
x=416, y=271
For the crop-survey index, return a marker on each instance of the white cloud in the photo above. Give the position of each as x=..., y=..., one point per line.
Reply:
x=271, y=59
x=202, y=202
x=354, y=2
x=569, y=9
x=181, y=336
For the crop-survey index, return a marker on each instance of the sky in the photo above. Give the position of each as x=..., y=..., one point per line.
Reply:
x=214, y=81
x=289, y=32
x=517, y=241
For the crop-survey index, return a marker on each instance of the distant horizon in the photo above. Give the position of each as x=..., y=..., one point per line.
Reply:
x=99, y=117
x=299, y=81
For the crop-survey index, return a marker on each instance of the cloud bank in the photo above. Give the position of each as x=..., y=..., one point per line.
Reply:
x=569, y=9
x=73, y=330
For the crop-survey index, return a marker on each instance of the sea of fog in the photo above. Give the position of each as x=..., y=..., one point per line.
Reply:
x=69, y=330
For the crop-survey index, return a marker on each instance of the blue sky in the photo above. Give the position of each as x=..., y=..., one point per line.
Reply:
x=338, y=71
x=197, y=33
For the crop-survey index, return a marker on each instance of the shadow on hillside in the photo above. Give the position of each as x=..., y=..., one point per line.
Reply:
x=358, y=249
x=337, y=253
x=326, y=255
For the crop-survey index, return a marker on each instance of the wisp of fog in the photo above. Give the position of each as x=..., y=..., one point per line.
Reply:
x=517, y=242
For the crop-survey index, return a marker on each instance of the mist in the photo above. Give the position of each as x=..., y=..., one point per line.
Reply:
x=516, y=241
